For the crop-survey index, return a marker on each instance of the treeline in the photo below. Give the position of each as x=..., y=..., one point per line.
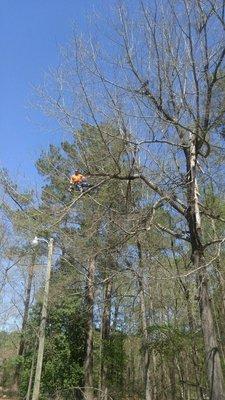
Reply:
x=137, y=301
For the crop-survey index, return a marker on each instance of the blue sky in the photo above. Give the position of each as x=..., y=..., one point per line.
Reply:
x=30, y=33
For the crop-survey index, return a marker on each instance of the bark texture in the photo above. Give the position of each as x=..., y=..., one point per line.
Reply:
x=88, y=363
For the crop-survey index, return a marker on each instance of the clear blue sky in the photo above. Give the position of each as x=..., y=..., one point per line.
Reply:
x=30, y=32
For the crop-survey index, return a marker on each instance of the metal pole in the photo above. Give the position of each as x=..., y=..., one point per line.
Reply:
x=37, y=379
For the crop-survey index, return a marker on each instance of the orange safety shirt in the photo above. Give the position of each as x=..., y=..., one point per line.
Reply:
x=75, y=179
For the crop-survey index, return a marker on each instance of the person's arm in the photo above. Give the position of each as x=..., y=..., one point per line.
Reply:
x=71, y=180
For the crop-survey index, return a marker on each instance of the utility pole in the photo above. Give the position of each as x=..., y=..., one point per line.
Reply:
x=37, y=379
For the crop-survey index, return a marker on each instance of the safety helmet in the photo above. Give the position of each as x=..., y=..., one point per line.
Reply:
x=77, y=171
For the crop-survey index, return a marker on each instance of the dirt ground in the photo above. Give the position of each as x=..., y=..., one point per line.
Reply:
x=7, y=398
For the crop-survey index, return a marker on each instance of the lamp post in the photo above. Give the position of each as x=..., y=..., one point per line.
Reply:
x=37, y=379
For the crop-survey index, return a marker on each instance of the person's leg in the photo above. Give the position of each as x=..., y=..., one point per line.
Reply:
x=84, y=184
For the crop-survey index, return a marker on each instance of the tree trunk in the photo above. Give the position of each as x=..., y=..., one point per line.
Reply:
x=147, y=380
x=28, y=394
x=214, y=370
x=220, y=269
x=219, y=330
x=222, y=283
x=115, y=317
x=194, y=351
x=88, y=363
x=172, y=378
x=105, y=338
x=25, y=319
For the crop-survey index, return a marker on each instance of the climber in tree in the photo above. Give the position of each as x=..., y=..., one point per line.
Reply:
x=78, y=182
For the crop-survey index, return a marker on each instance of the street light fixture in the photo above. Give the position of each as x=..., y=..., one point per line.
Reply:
x=36, y=241
x=37, y=379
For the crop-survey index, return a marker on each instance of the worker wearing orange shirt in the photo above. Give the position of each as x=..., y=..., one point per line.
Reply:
x=78, y=181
